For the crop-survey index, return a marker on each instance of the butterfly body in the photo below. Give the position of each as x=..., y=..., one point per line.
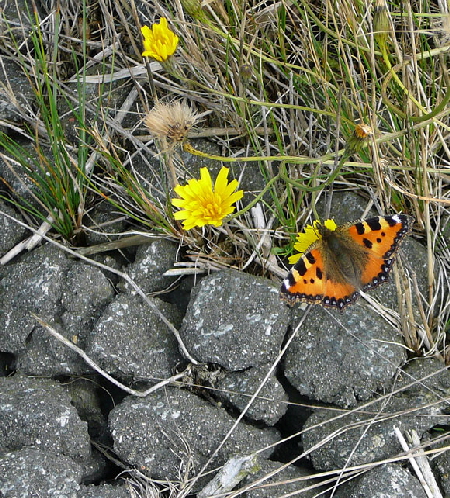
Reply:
x=353, y=257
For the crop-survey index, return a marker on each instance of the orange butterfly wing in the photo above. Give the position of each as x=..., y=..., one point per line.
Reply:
x=380, y=238
x=306, y=278
x=306, y=282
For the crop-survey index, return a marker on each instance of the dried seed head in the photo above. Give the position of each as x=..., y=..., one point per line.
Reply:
x=246, y=72
x=442, y=29
x=361, y=134
x=363, y=131
x=381, y=23
x=171, y=121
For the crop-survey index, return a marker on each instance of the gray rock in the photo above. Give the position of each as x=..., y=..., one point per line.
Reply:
x=366, y=436
x=386, y=481
x=97, y=467
x=344, y=361
x=346, y=206
x=277, y=485
x=85, y=293
x=77, y=296
x=151, y=261
x=441, y=466
x=130, y=340
x=104, y=491
x=103, y=224
x=430, y=375
x=37, y=412
x=10, y=232
x=33, y=285
x=236, y=320
x=17, y=175
x=30, y=472
x=422, y=375
x=173, y=432
x=13, y=19
x=238, y=387
x=13, y=105
x=84, y=394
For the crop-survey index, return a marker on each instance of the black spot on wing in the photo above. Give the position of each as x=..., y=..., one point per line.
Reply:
x=374, y=223
x=291, y=281
x=391, y=221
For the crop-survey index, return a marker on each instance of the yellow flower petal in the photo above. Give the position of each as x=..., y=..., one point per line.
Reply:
x=330, y=224
x=159, y=41
x=237, y=196
x=222, y=180
x=205, y=179
x=294, y=258
x=202, y=204
x=310, y=234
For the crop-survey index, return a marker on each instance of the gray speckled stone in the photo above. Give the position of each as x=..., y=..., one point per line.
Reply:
x=85, y=293
x=386, y=481
x=368, y=435
x=441, y=467
x=151, y=261
x=238, y=387
x=32, y=285
x=10, y=232
x=11, y=73
x=173, y=429
x=68, y=294
x=104, y=491
x=31, y=472
x=131, y=340
x=236, y=320
x=38, y=412
x=344, y=361
x=277, y=485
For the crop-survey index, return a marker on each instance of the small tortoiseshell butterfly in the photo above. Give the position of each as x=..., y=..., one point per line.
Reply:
x=341, y=262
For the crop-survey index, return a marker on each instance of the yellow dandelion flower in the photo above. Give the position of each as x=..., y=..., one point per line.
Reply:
x=159, y=41
x=306, y=239
x=201, y=204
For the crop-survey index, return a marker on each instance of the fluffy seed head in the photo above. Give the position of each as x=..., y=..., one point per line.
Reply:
x=171, y=121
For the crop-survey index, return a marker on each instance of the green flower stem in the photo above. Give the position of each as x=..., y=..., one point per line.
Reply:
x=288, y=159
x=392, y=74
x=168, y=159
x=151, y=81
x=283, y=175
x=255, y=200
